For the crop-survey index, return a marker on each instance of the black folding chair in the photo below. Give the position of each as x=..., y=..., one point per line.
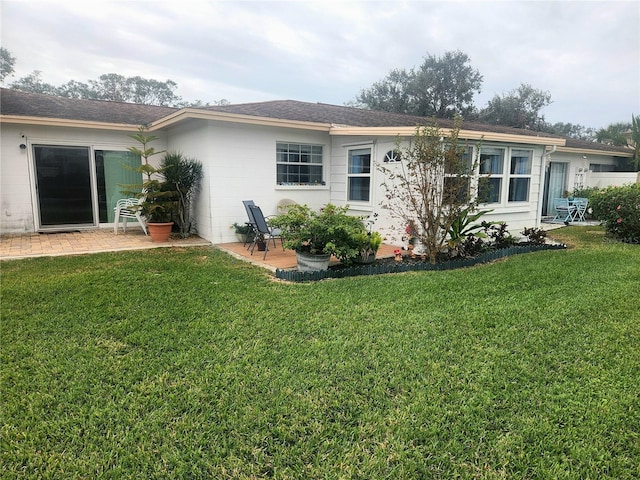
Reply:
x=263, y=230
x=253, y=230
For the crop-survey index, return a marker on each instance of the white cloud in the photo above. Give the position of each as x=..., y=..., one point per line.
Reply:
x=585, y=53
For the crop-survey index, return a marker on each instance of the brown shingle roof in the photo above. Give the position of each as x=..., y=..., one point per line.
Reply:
x=15, y=102
x=354, y=117
x=585, y=145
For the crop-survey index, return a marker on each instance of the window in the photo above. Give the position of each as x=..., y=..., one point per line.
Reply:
x=492, y=168
x=298, y=164
x=457, y=178
x=359, y=175
x=600, y=167
x=393, y=156
x=116, y=178
x=520, y=175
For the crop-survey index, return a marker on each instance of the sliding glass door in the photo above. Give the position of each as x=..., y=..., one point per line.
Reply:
x=63, y=183
x=67, y=194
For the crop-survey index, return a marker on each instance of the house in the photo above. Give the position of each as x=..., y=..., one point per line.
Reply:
x=62, y=160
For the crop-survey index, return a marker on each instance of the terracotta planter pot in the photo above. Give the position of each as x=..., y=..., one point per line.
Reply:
x=160, y=232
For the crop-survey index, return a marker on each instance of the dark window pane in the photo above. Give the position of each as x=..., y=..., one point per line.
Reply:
x=489, y=190
x=518, y=189
x=64, y=185
x=359, y=189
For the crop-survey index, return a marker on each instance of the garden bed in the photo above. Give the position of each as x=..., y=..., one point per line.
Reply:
x=408, y=264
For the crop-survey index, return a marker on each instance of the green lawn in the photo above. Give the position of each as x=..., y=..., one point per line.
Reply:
x=192, y=364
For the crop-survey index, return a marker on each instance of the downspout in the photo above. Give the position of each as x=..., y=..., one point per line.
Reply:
x=544, y=164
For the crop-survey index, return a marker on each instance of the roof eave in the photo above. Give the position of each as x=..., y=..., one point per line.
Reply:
x=191, y=113
x=594, y=151
x=62, y=122
x=465, y=134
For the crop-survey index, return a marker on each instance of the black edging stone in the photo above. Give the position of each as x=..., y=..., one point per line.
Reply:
x=295, y=276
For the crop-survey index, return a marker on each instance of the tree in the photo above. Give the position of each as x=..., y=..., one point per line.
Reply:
x=431, y=189
x=33, y=83
x=442, y=87
x=7, y=61
x=520, y=108
x=111, y=87
x=391, y=94
x=635, y=140
x=576, y=131
x=614, y=134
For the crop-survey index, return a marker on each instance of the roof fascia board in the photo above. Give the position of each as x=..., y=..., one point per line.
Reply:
x=466, y=134
x=189, y=113
x=596, y=152
x=62, y=122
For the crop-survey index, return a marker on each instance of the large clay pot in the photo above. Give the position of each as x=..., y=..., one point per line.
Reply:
x=160, y=232
x=312, y=263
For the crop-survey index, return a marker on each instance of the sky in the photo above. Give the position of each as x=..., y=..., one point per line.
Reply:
x=586, y=54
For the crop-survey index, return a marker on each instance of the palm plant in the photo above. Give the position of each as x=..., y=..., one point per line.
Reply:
x=183, y=175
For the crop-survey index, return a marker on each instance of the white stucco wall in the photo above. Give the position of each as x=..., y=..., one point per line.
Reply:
x=18, y=200
x=239, y=163
x=517, y=215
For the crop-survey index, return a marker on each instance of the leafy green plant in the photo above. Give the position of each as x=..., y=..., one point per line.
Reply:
x=183, y=176
x=243, y=229
x=535, y=236
x=368, y=242
x=499, y=234
x=160, y=198
x=619, y=209
x=463, y=226
x=330, y=231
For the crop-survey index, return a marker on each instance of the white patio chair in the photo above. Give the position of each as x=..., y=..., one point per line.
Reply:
x=128, y=209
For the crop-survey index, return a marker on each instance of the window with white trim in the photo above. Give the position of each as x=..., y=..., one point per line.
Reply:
x=491, y=175
x=457, y=178
x=299, y=164
x=359, y=175
x=520, y=175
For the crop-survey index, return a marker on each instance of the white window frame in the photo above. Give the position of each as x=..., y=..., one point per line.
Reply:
x=490, y=174
x=470, y=179
x=285, y=159
x=519, y=174
x=363, y=174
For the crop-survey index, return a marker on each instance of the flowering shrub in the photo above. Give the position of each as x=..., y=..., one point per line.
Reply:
x=619, y=209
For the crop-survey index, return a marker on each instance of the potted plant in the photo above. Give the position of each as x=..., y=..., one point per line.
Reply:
x=159, y=200
x=315, y=236
x=242, y=231
x=369, y=244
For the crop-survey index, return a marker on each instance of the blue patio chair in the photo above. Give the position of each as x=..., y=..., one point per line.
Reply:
x=581, y=205
x=263, y=230
x=564, y=211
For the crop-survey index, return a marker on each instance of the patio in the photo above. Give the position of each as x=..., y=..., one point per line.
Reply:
x=83, y=242
x=30, y=245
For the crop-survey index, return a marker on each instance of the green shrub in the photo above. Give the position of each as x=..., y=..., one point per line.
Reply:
x=332, y=231
x=619, y=209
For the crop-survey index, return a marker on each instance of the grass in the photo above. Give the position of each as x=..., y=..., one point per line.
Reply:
x=192, y=364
